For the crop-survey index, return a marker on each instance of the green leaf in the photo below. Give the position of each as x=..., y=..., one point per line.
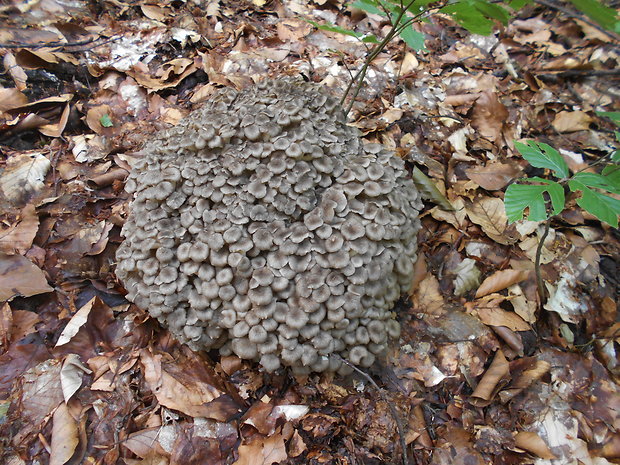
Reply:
x=106, y=121
x=521, y=196
x=612, y=115
x=599, y=181
x=612, y=175
x=369, y=6
x=604, y=207
x=468, y=16
x=543, y=156
x=518, y=4
x=492, y=10
x=599, y=13
x=413, y=38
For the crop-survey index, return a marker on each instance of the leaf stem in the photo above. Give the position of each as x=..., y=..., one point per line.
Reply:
x=539, y=280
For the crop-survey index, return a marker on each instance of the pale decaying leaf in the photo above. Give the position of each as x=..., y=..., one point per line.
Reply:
x=467, y=276
x=19, y=276
x=71, y=375
x=75, y=323
x=564, y=299
x=64, y=436
x=18, y=238
x=489, y=214
x=23, y=176
x=501, y=280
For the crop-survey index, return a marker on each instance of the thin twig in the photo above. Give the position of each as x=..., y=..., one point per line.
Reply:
x=397, y=420
x=539, y=280
x=585, y=19
x=53, y=44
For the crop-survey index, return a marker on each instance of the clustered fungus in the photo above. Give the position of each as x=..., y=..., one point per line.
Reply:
x=262, y=226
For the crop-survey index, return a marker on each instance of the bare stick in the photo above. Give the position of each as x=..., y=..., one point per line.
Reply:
x=395, y=416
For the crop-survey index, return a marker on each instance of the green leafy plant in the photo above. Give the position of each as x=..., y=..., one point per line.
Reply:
x=545, y=198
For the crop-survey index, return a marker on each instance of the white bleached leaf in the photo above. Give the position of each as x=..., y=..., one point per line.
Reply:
x=71, y=375
x=75, y=323
x=467, y=276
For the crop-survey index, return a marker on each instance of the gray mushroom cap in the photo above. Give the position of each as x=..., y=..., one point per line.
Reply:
x=262, y=226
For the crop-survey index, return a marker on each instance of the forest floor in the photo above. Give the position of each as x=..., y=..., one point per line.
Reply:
x=483, y=373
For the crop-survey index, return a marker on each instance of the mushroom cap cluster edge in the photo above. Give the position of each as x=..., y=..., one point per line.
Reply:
x=262, y=225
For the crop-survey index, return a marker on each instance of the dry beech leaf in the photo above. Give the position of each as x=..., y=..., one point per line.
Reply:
x=56, y=129
x=489, y=214
x=525, y=371
x=11, y=98
x=23, y=324
x=64, y=436
x=501, y=280
x=456, y=217
x=19, y=237
x=489, y=116
x=75, y=323
x=534, y=444
x=93, y=118
x=494, y=176
x=571, y=121
x=19, y=276
x=71, y=375
x=15, y=71
x=145, y=442
x=263, y=451
x=428, y=298
x=492, y=315
x=190, y=398
x=492, y=380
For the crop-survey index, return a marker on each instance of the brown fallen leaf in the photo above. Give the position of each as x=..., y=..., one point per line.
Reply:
x=19, y=237
x=174, y=390
x=427, y=298
x=489, y=214
x=524, y=371
x=23, y=324
x=56, y=129
x=501, y=280
x=533, y=443
x=492, y=381
x=11, y=98
x=571, y=121
x=493, y=176
x=19, y=276
x=491, y=314
x=15, y=71
x=263, y=451
x=489, y=116
x=65, y=437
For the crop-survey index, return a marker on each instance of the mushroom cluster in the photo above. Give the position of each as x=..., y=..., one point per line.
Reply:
x=262, y=226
